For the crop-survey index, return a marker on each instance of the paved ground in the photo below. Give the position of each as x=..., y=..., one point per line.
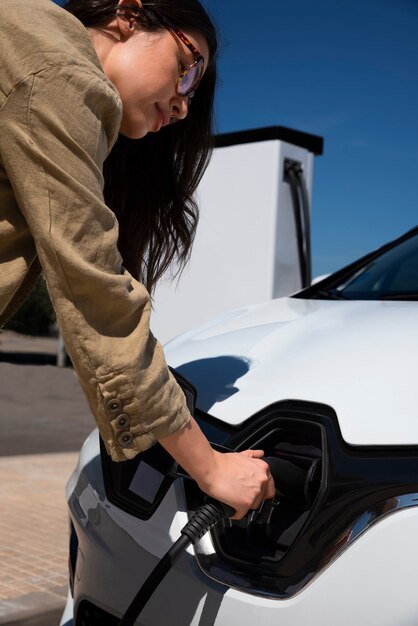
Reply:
x=33, y=537
x=42, y=407
x=43, y=421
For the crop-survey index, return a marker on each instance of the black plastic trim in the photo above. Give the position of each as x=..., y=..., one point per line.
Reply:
x=312, y=143
x=118, y=476
x=356, y=479
x=89, y=614
x=72, y=556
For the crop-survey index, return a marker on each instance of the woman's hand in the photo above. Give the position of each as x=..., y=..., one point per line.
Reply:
x=240, y=479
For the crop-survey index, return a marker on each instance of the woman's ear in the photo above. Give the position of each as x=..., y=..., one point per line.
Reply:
x=126, y=13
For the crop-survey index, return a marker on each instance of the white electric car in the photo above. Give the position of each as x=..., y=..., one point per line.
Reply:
x=326, y=379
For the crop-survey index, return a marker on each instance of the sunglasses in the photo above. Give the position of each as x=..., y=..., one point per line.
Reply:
x=191, y=75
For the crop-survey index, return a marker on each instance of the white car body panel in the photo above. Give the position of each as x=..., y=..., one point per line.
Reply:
x=359, y=357
x=363, y=585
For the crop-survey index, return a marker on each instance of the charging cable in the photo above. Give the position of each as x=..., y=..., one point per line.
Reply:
x=201, y=521
x=293, y=174
x=292, y=483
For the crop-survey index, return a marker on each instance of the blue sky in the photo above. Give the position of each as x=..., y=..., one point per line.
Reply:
x=346, y=70
x=343, y=69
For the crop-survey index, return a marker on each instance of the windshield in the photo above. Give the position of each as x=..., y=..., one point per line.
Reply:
x=393, y=276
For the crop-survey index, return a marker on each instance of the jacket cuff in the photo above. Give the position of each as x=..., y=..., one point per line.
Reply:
x=126, y=444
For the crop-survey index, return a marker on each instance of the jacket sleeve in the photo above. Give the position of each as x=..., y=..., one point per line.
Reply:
x=56, y=128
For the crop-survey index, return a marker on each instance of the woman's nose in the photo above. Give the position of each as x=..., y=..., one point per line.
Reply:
x=180, y=107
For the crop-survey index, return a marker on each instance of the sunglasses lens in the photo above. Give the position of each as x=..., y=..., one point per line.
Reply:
x=190, y=79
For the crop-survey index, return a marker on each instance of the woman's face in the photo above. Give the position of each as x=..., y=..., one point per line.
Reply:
x=145, y=67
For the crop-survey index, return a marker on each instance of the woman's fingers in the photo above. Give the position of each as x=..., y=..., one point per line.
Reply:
x=267, y=493
x=254, y=454
x=241, y=480
x=269, y=489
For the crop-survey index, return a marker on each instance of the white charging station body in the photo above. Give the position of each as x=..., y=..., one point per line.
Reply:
x=246, y=248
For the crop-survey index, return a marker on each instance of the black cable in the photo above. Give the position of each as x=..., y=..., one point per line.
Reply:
x=307, y=221
x=300, y=201
x=153, y=580
x=201, y=521
x=292, y=179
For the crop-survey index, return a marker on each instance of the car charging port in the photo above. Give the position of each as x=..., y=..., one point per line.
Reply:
x=294, y=452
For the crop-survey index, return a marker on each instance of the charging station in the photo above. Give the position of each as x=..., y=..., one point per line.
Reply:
x=253, y=238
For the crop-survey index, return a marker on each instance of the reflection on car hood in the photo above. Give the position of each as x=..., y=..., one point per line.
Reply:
x=359, y=357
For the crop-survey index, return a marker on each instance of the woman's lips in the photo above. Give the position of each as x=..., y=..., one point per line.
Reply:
x=163, y=121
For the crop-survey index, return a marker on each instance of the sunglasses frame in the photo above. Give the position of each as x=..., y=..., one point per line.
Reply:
x=131, y=11
x=199, y=61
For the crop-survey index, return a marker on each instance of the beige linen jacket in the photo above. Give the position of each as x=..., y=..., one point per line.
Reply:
x=59, y=117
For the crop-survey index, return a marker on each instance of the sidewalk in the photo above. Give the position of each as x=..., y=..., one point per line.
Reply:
x=44, y=418
x=33, y=538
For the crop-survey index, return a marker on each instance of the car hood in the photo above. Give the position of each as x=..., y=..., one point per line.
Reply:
x=359, y=357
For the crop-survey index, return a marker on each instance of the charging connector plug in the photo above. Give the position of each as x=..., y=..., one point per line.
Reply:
x=204, y=518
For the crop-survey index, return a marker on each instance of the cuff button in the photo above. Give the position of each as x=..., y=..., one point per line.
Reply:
x=125, y=439
x=114, y=406
x=122, y=421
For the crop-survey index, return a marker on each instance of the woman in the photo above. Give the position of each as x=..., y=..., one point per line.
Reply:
x=70, y=81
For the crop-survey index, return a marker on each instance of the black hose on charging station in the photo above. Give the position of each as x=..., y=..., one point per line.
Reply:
x=294, y=176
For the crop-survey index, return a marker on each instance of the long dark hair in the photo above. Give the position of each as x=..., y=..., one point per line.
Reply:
x=150, y=182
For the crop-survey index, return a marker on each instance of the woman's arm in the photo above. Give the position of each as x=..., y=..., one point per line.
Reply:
x=53, y=129
x=241, y=480
x=56, y=127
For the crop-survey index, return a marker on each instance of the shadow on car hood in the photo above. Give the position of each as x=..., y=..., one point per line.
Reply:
x=359, y=357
